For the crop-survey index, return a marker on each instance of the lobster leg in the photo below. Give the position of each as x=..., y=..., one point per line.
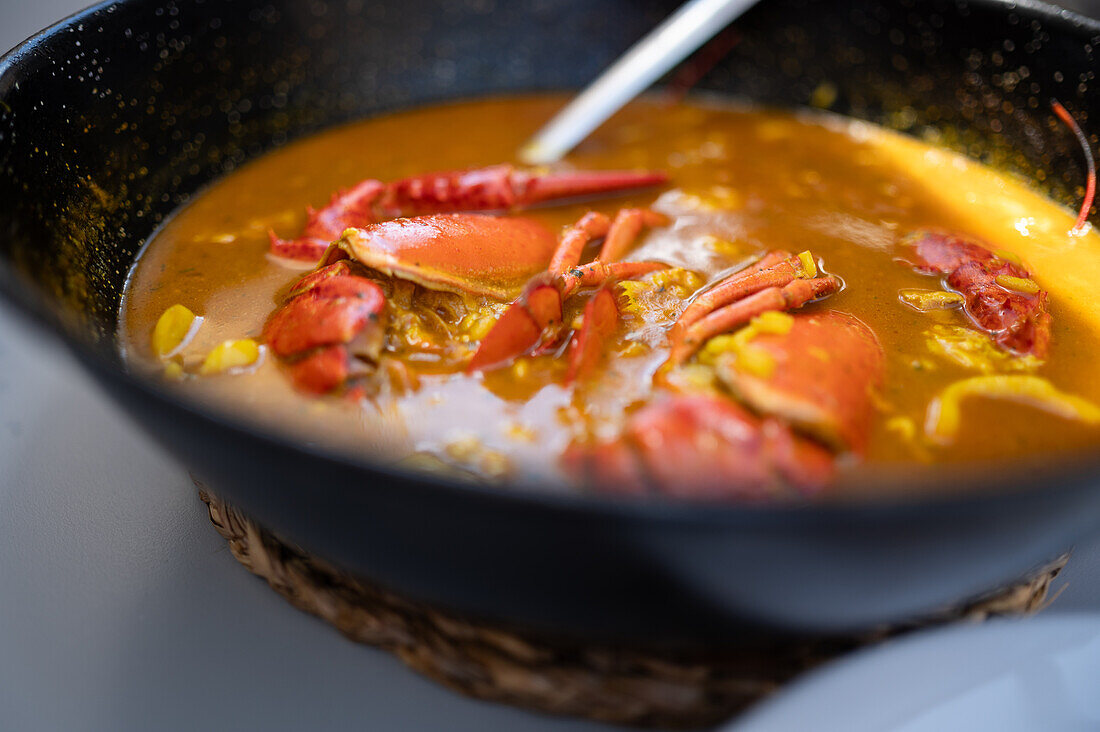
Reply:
x=628, y=224
x=623, y=232
x=601, y=317
x=596, y=273
x=503, y=188
x=774, y=269
x=591, y=226
x=531, y=188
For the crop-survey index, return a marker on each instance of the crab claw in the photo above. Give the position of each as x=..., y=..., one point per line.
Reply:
x=331, y=313
x=328, y=313
x=520, y=329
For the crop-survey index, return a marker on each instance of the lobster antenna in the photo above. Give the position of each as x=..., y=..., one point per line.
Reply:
x=1090, y=186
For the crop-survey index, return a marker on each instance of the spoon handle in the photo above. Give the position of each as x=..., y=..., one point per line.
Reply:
x=680, y=35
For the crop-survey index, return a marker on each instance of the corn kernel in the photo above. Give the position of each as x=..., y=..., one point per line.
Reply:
x=904, y=427
x=717, y=346
x=494, y=464
x=1008, y=257
x=231, y=356
x=173, y=330
x=1017, y=284
x=776, y=322
x=721, y=247
x=809, y=266
x=925, y=300
x=756, y=362
x=692, y=377
x=475, y=325
x=521, y=432
x=463, y=448
x=173, y=371
x=742, y=337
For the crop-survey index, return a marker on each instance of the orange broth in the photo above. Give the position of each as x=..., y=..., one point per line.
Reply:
x=742, y=181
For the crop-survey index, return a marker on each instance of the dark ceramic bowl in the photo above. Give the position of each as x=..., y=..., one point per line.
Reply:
x=113, y=118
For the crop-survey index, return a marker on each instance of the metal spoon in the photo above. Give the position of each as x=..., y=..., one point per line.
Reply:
x=680, y=35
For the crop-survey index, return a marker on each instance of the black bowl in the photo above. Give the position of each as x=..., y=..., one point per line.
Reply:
x=113, y=118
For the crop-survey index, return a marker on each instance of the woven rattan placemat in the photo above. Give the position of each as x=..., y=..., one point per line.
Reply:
x=616, y=685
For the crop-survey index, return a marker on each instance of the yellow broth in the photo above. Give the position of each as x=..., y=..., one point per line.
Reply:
x=743, y=181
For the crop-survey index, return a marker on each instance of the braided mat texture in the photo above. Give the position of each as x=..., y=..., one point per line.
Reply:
x=614, y=685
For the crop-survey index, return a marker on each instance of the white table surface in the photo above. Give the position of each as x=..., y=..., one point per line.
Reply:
x=121, y=608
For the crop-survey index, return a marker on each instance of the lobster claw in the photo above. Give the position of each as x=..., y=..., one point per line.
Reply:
x=534, y=188
x=503, y=187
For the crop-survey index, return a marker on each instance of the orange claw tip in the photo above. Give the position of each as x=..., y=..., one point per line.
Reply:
x=349, y=286
x=303, y=249
x=514, y=334
x=544, y=306
x=601, y=316
x=318, y=276
x=576, y=184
